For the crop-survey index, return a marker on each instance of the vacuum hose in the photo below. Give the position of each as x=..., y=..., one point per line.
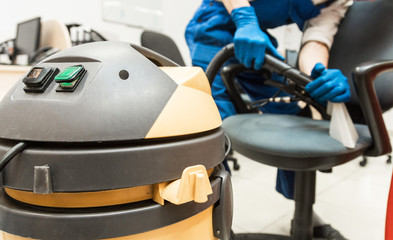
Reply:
x=221, y=57
x=11, y=153
x=271, y=63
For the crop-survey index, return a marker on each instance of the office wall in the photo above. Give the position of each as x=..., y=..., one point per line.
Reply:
x=89, y=12
x=176, y=14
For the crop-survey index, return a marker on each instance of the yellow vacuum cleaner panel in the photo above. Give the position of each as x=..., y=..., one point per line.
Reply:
x=191, y=109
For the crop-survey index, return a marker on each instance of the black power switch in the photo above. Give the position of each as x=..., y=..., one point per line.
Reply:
x=39, y=78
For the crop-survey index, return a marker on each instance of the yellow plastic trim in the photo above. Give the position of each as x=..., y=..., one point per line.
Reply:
x=188, y=111
x=192, y=77
x=84, y=199
x=196, y=227
x=8, y=236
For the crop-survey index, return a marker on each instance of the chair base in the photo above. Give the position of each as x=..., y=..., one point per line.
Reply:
x=258, y=236
x=302, y=227
x=236, y=165
x=365, y=160
x=262, y=236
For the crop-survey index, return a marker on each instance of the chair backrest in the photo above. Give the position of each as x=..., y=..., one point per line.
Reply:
x=365, y=34
x=54, y=34
x=163, y=45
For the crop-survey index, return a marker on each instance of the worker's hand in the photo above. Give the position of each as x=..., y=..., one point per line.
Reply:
x=329, y=85
x=250, y=41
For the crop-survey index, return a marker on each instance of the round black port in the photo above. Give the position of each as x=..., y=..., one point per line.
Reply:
x=123, y=74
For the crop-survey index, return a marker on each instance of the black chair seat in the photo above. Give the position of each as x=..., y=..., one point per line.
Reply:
x=307, y=145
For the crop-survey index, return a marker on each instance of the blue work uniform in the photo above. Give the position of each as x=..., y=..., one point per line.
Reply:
x=212, y=28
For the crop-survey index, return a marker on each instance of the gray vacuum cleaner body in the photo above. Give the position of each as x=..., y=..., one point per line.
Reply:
x=119, y=98
x=93, y=115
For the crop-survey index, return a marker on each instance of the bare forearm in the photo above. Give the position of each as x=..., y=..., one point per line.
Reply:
x=232, y=4
x=311, y=53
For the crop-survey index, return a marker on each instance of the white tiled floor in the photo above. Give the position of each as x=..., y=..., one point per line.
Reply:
x=352, y=198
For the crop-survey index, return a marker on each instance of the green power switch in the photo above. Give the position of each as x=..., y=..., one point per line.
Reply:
x=69, y=78
x=69, y=74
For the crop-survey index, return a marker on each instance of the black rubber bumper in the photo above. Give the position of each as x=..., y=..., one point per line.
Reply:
x=98, y=167
x=98, y=223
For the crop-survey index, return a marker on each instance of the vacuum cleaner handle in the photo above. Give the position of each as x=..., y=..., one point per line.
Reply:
x=275, y=65
x=271, y=63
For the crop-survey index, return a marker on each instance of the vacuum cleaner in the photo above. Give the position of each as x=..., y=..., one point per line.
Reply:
x=108, y=140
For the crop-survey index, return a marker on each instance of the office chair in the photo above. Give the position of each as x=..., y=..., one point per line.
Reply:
x=365, y=25
x=54, y=37
x=54, y=34
x=302, y=144
x=162, y=44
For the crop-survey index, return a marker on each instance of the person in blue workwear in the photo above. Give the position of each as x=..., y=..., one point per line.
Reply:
x=245, y=23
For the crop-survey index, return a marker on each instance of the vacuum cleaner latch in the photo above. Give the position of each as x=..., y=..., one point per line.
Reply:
x=194, y=185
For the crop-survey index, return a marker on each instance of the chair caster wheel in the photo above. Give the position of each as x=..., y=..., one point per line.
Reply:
x=363, y=162
x=389, y=160
x=236, y=166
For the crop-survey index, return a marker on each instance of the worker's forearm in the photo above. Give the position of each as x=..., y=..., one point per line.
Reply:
x=232, y=4
x=311, y=53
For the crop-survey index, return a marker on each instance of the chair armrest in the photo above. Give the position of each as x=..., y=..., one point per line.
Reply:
x=363, y=78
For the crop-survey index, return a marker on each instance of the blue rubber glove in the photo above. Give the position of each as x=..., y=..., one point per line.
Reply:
x=250, y=41
x=329, y=85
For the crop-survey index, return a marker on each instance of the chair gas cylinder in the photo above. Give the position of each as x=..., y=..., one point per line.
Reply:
x=123, y=144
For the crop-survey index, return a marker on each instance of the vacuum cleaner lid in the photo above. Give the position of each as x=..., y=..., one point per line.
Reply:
x=106, y=91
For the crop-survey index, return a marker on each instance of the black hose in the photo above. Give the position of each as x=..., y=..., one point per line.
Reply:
x=271, y=64
x=11, y=153
x=228, y=145
x=219, y=59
